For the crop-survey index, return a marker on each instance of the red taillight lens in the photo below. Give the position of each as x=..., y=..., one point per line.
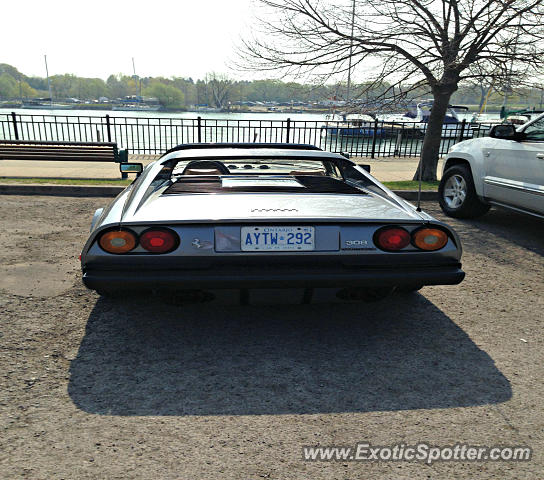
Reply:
x=161, y=240
x=118, y=241
x=430, y=239
x=392, y=238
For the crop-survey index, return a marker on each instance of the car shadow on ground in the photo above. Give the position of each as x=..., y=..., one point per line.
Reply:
x=523, y=230
x=144, y=357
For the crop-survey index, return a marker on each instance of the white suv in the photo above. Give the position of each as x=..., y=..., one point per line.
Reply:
x=504, y=169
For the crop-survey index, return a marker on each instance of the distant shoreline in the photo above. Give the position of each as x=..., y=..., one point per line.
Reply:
x=492, y=110
x=109, y=108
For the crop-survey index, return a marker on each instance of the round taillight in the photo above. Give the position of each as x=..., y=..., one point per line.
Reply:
x=118, y=241
x=159, y=240
x=429, y=239
x=392, y=238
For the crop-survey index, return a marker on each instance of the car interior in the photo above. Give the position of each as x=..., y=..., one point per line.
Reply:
x=259, y=175
x=253, y=166
x=267, y=175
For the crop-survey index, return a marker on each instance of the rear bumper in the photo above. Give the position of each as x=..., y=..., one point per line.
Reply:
x=231, y=278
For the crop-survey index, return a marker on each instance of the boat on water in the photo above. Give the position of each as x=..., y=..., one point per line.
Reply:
x=515, y=117
x=351, y=125
x=44, y=104
x=410, y=124
x=136, y=108
x=415, y=121
x=205, y=108
x=520, y=117
x=136, y=103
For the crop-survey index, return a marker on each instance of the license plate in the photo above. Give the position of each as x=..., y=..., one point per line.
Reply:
x=265, y=239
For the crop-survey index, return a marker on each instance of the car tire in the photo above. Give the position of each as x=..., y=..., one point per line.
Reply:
x=457, y=195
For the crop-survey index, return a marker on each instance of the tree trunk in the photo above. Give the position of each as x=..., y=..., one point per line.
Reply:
x=433, y=136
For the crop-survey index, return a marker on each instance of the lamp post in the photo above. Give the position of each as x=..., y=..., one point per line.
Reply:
x=137, y=78
x=48, y=81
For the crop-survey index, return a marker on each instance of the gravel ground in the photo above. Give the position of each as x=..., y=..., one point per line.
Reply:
x=137, y=388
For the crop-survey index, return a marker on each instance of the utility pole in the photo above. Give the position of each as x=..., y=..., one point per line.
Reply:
x=350, y=50
x=136, y=77
x=48, y=81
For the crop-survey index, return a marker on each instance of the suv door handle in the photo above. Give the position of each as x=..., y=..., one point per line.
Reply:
x=540, y=155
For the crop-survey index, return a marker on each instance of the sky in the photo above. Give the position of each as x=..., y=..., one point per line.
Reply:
x=95, y=38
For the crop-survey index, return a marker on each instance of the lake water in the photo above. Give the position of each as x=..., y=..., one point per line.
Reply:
x=154, y=132
x=191, y=115
x=180, y=115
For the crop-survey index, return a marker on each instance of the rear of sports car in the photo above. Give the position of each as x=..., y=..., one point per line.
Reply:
x=275, y=253
x=358, y=245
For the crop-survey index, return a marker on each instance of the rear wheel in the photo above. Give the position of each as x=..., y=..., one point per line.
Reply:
x=457, y=195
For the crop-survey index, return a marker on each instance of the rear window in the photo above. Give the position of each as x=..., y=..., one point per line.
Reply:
x=264, y=166
x=260, y=184
x=240, y=173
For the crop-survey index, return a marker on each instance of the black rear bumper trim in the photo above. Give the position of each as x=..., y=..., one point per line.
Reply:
x=233, y=279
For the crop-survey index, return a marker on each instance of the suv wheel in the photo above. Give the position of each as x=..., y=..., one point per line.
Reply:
x=457, y=195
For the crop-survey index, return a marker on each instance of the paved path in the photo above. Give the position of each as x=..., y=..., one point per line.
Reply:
x=386, y=170
x=383, y=169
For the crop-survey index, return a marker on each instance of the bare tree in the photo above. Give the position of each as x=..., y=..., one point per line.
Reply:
x=220, y=87
x=405, y=44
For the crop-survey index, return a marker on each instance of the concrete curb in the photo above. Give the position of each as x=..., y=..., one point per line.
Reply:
x=61, y=190
x=113, y=191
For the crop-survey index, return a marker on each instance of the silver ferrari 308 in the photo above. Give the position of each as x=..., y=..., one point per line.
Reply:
x=250, y=216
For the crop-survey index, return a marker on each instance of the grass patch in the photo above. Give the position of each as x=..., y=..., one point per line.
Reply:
x=68, y=181
x=411, y=185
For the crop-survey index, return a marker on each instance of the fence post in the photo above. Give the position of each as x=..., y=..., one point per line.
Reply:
x=199, y=123
x=108, y=128
x=462, y=134
x=374, y=135
x=288, y=129
x=15, y=128
x=398, y=143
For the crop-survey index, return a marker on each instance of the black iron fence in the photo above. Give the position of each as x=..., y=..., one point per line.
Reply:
x=146, y=135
